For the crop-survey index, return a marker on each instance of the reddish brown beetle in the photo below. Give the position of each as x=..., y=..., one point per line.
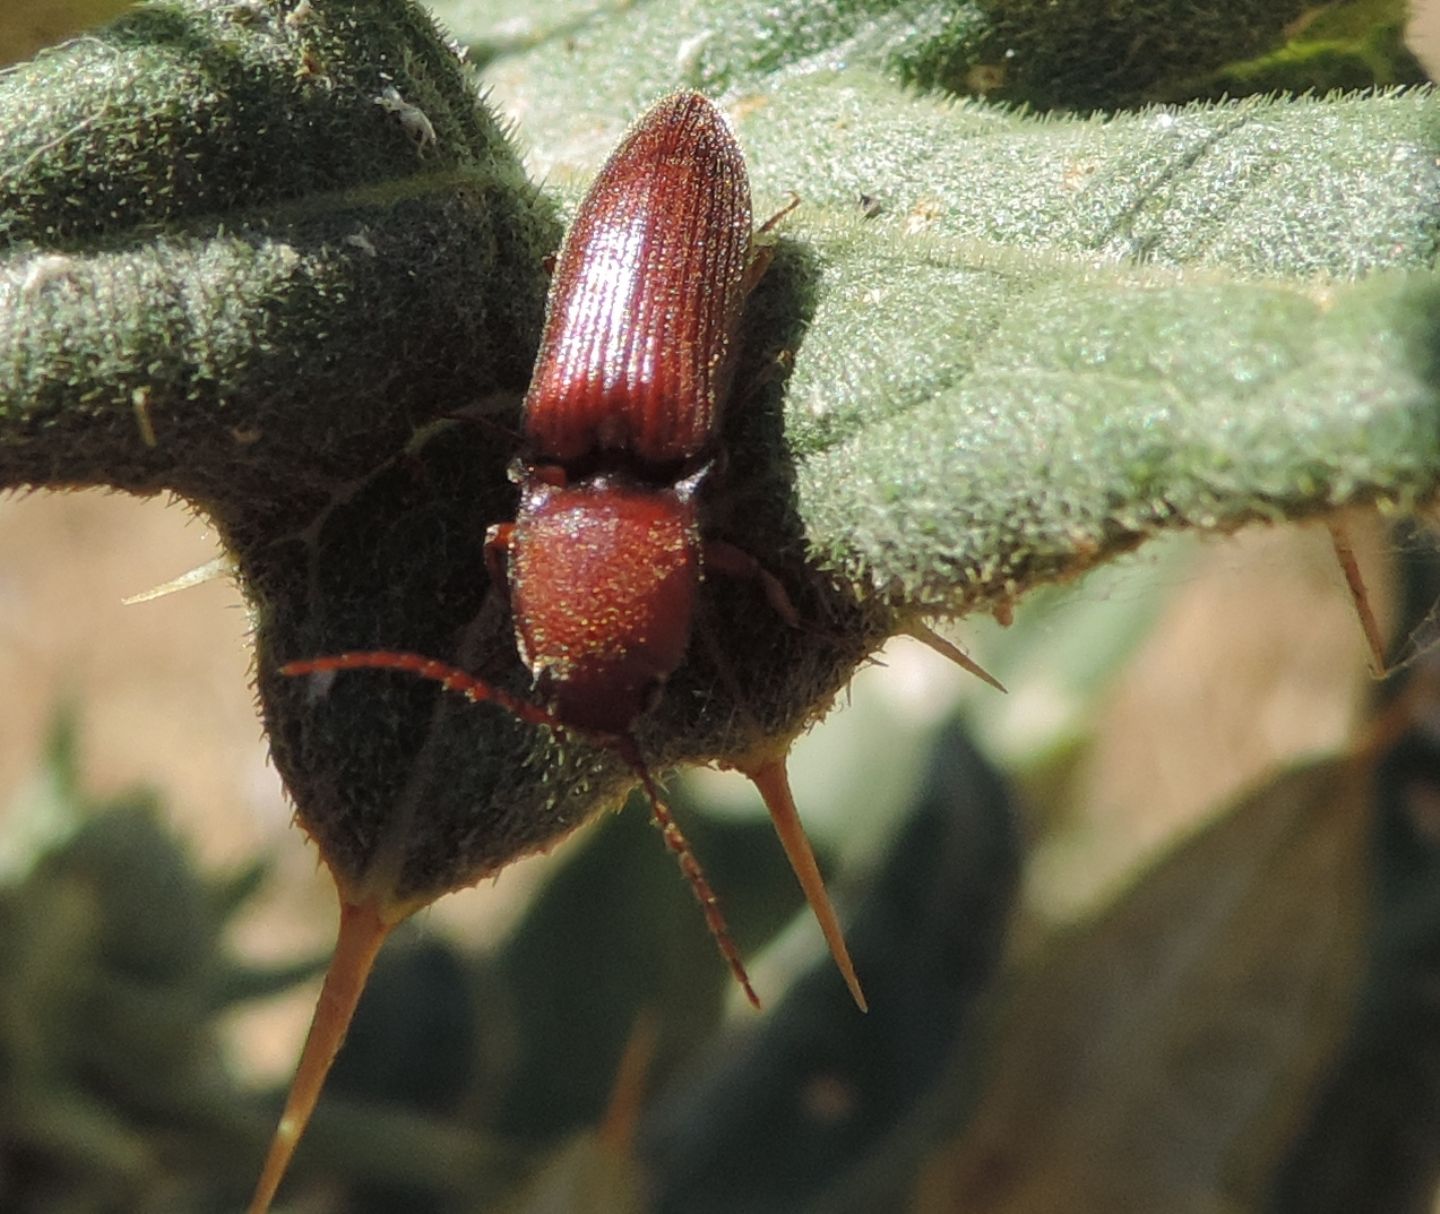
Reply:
x=605, y=558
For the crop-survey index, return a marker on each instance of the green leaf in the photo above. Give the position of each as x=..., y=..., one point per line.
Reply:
x=619, y=924
x=1063, y=337
x=111, y=943
x=249, y=254
x=1366, y=1139
x=210, y=217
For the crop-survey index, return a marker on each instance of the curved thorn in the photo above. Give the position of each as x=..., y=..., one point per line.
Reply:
x=773, y=783
x=362, y=932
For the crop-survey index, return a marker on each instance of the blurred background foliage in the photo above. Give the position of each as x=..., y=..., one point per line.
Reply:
x=1102, y=976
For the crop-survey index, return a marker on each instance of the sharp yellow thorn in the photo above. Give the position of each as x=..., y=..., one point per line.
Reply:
x=773, y=782
x=927, y=636
x=362, y=932
x=1355, y=581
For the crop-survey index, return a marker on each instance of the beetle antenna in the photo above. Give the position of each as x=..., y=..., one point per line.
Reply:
x=362, y=931
x=773, y=783
x=680, y=847
x=452, y=678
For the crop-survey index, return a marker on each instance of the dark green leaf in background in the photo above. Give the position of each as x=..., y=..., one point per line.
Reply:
x=114, y=965
x=1163, y=1057
x=819, y=1103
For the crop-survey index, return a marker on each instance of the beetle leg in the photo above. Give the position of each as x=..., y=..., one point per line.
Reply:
x=760, y=258
x=763, y=253
x=779, y=215
x=499, y=542
x=736, y=562
x=485, y=413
